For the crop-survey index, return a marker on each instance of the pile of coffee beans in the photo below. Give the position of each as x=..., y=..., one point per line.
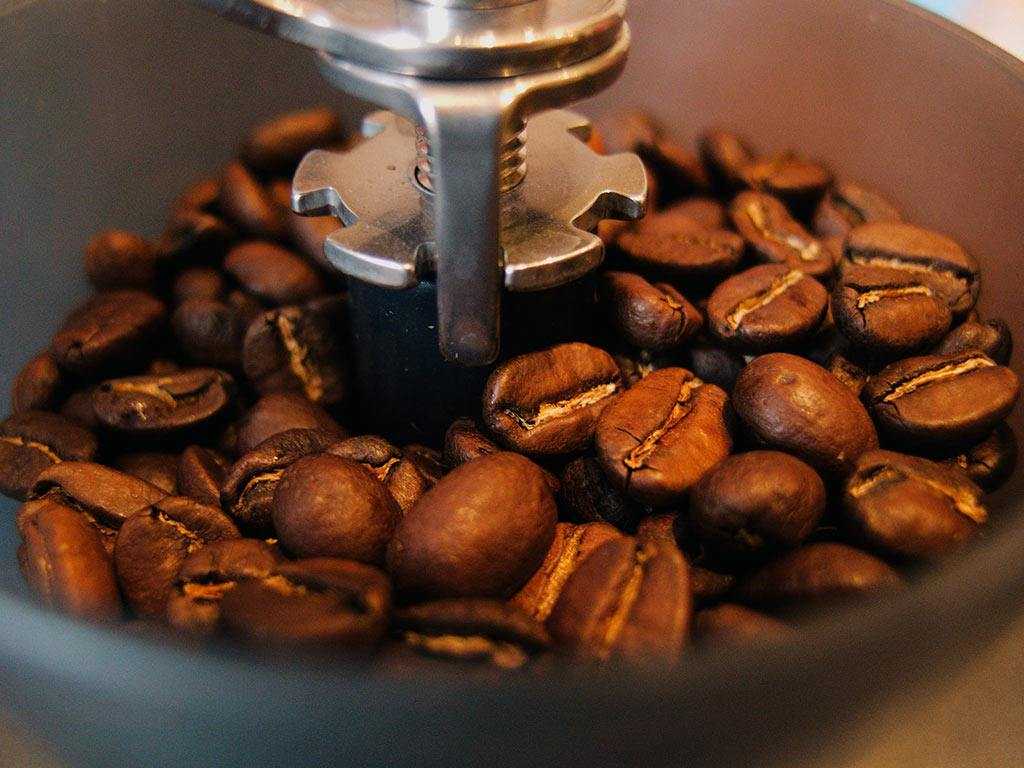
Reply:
x=789, y=402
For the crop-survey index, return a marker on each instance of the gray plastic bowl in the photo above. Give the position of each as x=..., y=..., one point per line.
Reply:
x=109, y=108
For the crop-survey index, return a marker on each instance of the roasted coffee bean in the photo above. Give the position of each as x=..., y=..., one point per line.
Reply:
x=755, y=504
x=110, y=332
x=587, y=495
x=766, y=308
x=793, y=405
x=464, y=441
x=625, y=602
x=249, y=485
x=78, y=407
x=277, y=145
x=708, y=587
x=680, y=249
x=199, y=283
x=31, y=441
x=298, y=349
x=385, y=462
x=208, y=332
x=848, y=372
x=63, y=560
x=733, y=624
x=911, y=507
x=815, y=574
x=928, y=257
x=273, y=274
x=658, y=528
x=281, y=411
x=706, y=211
x=38, y=385
x=164, y=405
x=713, y=364
x=725, y=155
x=247, y=204
x=201, y=195
x=115, y=258
x=321, y=601
x=678, y=170
x=159, y=469
x=429, y=462
x=482, y=531
x=775, y=237
x=152, y=545
x=193, y=605
x=472, y=629
x=200, y=473
x=941, y=401
x=992, y=337
x=548, y=402
x=989, y=463
x=195, y=237
x=849, y=205
x=798, y=182
x=571, y=546
x=662, y=435
x=886, y=313
x=329, y=506
x=654, y=317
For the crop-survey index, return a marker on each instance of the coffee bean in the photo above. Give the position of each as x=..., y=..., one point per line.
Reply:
x=929, y=257
x=848, y=372
x=991, y=337
x=320, y=601
x=712, y=363
x=298, y=349
x=941, y=401
x=277, y=145
x=199, y=283
x=249, y=485
x=482, y=531
x=195, y=237
x=818, y=574
x=281, y=411
x=328, y=506
x=571, y=546
x=658, y=528
x=990, y=462
x=464, y=441
x=775, y=237
x=385, y=462
x=38, y=385
x=193, y=605
x=678, y=248
x=151, y=546
x=886, y=314
x=472, y=629
x=732, y=624
x=587, y=495
x=164, y=405
x=848, y=206
x=63, y=560
x=200, y=473
x=208, y=332
x=110, y=332
x=725, y=155
x=31, y=441
x=548, y=402
x=159, y=469
x=625, y=602
x=910, y=507
x=662, y=435
x=793, y=405
x=115, y=258
x=678, y=170
x=246, y=203
x=766, y=308
x=273, y=274
x=655, y=317
x=429, y=462
x=706, y=211
x=201, y=195
x=798, y=182
x=755, y=504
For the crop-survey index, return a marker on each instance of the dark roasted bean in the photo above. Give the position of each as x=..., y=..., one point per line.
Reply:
x=775, y=237
x=655, y=317
x=200, y=473
x=679, y=248
x=625, y=601
x=849, y=205
x=430, y=463
x=725, y=154
x=38, y=385
x=733, y=624
x=911, y=507
x=281, y=411
x=678, y=170
x=706, y=211
x=31, y=441
x=201, y=195
x=548, y=402
x=588, y=496
x=321, y=601
x=208, y=332
x=481, y=531
x=386, y=462
x=793, y=405
x=195, y=237
x=990, y=462
x=942, y=401
x=151, y=546
x=755, y=504
x=848, y=372
x=992, y=337
x=115, y=258
x=464, y=441
x=159, y=469
x=713, y=364
x=933, y=259
x=766, y=308
x=662, y=435
x=273, y=274
x=798, y=182
x=199, y=283
x=277, y=145
x=246, y=203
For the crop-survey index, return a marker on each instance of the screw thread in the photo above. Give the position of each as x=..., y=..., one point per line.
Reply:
x=511, y=164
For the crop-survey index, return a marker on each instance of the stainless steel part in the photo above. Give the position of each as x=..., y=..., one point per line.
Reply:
x=455, y=196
